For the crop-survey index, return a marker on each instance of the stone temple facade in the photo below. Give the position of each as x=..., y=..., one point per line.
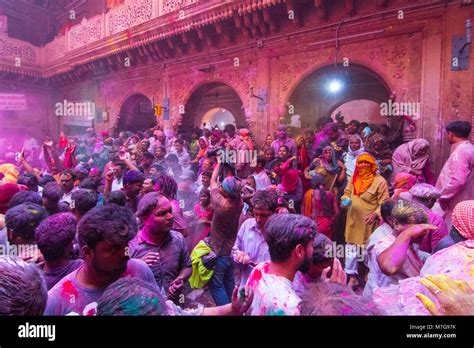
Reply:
x=263, y=60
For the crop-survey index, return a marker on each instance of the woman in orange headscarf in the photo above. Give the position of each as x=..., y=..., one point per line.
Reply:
x=364, y=195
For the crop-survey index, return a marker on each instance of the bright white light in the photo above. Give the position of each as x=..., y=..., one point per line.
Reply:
x=222, y=123
x=335, y=86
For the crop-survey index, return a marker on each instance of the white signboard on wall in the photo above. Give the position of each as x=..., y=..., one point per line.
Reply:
x=80, y=121
x=12, y=102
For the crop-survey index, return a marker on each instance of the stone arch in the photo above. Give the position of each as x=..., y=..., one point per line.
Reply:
x=133, y=117
x=239, y=80
x=207, y=95
x=383, y=75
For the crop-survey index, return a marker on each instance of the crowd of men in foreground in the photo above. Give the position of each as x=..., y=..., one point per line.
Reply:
x=340, y=220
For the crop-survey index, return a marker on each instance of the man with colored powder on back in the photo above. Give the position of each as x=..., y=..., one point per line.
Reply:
x=104, y=234
x=290, y=243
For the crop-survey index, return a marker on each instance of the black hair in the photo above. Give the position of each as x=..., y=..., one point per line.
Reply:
x=120, y=164
x=53, y=192
x=147, y=154
x=229, y=128
x=132, y=177
x=387, y=207
x=23, y=219
x=45, y=179
x=207, y=174
x=285, y=231
x=167, y=186
x=321, y=245
x=153, y=179
x=461, y=129
x=55, y=234
x=355, y=122
x=84, y=200
x=206, y=192
x=111, y=223
x=89, y=184
x=317, y=183
x=265, y=199
x=117, y=197
x=29, y=180
x=69, y=172
x=147, y=204
x=286, y=148
x=262, y=160
x=162, y=148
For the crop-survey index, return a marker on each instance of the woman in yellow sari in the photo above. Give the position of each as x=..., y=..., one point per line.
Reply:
x=364, y=195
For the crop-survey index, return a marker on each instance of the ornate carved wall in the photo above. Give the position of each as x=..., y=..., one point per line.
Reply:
x=397, y=64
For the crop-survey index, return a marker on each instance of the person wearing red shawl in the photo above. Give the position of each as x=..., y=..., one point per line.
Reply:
x=364, y=195
x=63, y=141
x=69, y=155
x=291, y=185
x=7, y=191
x=51, y=158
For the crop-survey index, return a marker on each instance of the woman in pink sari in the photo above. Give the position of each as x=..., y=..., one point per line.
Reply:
x=203, y=216
x=413, y=158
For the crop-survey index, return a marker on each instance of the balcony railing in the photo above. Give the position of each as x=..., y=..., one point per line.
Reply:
x=118, y=19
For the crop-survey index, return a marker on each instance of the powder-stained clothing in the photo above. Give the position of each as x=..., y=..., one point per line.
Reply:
x=381, y=232
x=406, y=159
x=262, y=181
x=301, y=283
x=251, y=241
x=273, y=294
x=432, y=238
x=174, y=256
x=455, y=262
x=357, y=231
x=457, y=177
x=224, y=226
x=54, y=275
x=68, y=297
x=179, y=222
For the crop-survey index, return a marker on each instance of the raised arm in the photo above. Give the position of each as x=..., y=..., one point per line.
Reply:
x=215, y=174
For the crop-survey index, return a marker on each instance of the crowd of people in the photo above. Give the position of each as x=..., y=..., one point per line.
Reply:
x=338, y=220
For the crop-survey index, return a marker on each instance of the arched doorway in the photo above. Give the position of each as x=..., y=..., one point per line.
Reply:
x=328, y=89
x=362, y=110
x=213, y=101
x=218, y=117
x=136, y=114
